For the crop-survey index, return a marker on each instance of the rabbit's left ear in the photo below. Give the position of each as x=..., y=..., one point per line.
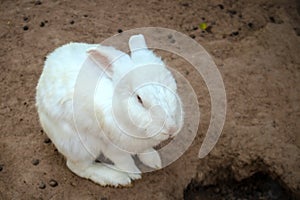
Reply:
x=102, y=61
x=137, y=42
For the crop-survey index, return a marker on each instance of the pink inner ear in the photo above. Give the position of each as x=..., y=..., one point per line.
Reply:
x=101, y=61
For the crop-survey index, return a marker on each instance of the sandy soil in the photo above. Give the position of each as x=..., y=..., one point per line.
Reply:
x=255, y=45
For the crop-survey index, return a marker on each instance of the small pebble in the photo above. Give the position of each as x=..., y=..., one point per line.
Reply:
x=42, y=185
x=193, y=36
x=195, y=28
x=37, y=3
x=25, y=28
x=221, y=6
x=235, y=33
x=85, y=15
x=232, y=12
x=35, y=161
x=42, y=24
x=25, y=19
x=72, y=22
x=53, y=183
x=120, y=30
x=47, y=140
x=272, y=19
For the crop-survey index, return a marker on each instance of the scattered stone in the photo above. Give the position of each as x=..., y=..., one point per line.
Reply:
x=235, y=33
x=37, y=3
x=208, y=29
x=85, y=15
x=221, y=6
x=25, y=19
x=47, y=140
x=272, y=19
x=53, y=183
x=195, y=28
x=250, y=25
x=42, y=24
x=72, y=22
x=192, y=36
x=120, y=30
x=35, y=162
x=232, y=12
x=25, y=28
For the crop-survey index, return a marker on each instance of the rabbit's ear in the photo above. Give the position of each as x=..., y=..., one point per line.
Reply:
x=101, y=60
x=137, y=42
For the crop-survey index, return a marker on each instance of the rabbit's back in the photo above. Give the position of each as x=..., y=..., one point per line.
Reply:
x=56, y=85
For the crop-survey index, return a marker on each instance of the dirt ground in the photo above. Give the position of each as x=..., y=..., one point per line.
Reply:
x=255, y=45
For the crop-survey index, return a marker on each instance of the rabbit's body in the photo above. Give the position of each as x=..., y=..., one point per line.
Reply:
x=82, y=140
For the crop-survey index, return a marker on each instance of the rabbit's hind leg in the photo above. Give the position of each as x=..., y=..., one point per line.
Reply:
x=100, y=174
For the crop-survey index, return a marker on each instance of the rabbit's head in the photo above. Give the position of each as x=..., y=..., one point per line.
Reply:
x=145, y=102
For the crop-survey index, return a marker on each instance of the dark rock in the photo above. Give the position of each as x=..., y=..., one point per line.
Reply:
x=53, y=183
x=221, y=6
x=47, y=140
x=192, y=36
x=25, y=28
x=35, y=162
x=37, y=3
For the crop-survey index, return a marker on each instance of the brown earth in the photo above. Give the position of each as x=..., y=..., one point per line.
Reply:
x=255, y=45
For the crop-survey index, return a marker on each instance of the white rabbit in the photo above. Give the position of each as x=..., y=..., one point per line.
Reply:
x=118, y=102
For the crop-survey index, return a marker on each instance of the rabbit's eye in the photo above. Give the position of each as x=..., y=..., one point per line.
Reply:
x=139, y=99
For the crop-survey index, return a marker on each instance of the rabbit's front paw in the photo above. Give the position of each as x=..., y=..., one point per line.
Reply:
x=134, y=176
x=151, y=158
x=101, y=174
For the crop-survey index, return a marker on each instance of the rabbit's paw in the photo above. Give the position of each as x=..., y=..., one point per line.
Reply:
x=101, y=174
x=151, y=158
x=134, y=176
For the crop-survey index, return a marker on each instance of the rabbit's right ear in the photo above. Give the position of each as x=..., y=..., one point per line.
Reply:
x=137, y=42
x=102, y=61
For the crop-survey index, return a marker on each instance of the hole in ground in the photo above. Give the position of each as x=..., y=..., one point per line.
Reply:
x=259, y=186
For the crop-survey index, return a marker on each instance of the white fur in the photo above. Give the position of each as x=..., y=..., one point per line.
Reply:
x=81, y=141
